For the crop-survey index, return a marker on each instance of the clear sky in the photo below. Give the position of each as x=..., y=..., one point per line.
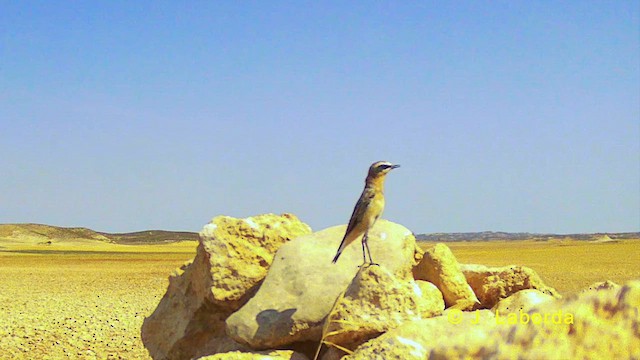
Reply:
x=505, y=115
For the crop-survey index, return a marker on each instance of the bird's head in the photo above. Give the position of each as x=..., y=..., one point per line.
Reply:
x=381, y=168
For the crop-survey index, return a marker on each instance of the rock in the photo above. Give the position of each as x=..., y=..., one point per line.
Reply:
x=259, y=355
x=523, y=301
x=185, y=323
x=592, y=325
x=440, y=267
x=332, y=353
x=416, y=339
x=302, y=284
x=604, y=285
x=231, y=260
x=375, y=302
x=240, y=251
x=492, y=284
x=431, y=294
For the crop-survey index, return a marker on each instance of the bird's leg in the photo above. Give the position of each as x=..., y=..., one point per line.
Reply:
x=364, y=255
x=365, y=239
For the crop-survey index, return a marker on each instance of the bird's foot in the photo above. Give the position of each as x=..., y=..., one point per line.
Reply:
x=367, y=264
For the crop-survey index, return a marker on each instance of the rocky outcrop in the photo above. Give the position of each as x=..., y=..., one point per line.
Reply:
x=593, y=325
x=492, y=284
x=415, y=340
x=597, y=325
x=440, y=267
x=232, y=258
x=303, y=284
x=375, y=302
x=221, y=305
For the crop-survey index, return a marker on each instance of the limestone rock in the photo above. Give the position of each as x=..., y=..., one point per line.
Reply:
x=259, y=355
x=231, y=260
x=185, y=322
x=592, y=325
x=431, y=294
x=240, y=251
x=492, y=284
x=523, y=300
x=440, y=267
x=302, y=284
x=375, y=302
x=416, y=339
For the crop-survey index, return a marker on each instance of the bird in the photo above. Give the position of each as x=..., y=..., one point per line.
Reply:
x=368, y=209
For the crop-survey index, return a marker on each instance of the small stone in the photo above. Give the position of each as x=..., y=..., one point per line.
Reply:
x=492, y=284
x=440, y=267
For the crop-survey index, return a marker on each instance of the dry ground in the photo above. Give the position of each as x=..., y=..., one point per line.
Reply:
x=89, y=301
x=567, y=265
x=82, y=304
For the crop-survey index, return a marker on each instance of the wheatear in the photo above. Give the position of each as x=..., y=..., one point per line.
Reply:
x=368, y=208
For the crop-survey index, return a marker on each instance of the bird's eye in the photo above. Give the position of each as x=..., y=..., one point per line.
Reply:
x=383, y=166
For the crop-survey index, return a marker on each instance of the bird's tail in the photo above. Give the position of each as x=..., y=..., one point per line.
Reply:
x=337, y=256
x=342, y=246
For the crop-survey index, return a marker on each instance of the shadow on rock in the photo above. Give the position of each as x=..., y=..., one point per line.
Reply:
x=270, y=320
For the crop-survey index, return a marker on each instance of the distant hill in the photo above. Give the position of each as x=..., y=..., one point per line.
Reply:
x=43, y=234
x=38, y=233
x=492, y=235
x=152, y=237
x=47, y=234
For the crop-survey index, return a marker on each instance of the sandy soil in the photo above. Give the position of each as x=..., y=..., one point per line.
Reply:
x=89, y=301
x=87, y=305
x=567, y=265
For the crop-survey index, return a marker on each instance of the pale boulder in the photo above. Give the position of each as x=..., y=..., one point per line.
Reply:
x=522, y=301
x=189, y=320
x=440, y=267
x=492, y=284
x=431, y=294
x=375, y=302
x=415, y=340
x=303, y=284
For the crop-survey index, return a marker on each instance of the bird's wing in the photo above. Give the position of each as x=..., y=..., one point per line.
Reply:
x=356, y=218
x=360, y=209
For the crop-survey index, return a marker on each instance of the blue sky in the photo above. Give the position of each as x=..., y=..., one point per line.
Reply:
x=505, y=115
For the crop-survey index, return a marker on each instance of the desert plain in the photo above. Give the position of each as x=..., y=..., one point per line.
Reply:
x=88, y=298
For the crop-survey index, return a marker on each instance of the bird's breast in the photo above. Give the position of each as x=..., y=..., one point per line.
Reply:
x=375, y=210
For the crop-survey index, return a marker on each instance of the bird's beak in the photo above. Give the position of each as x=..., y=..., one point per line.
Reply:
x=395, y=166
